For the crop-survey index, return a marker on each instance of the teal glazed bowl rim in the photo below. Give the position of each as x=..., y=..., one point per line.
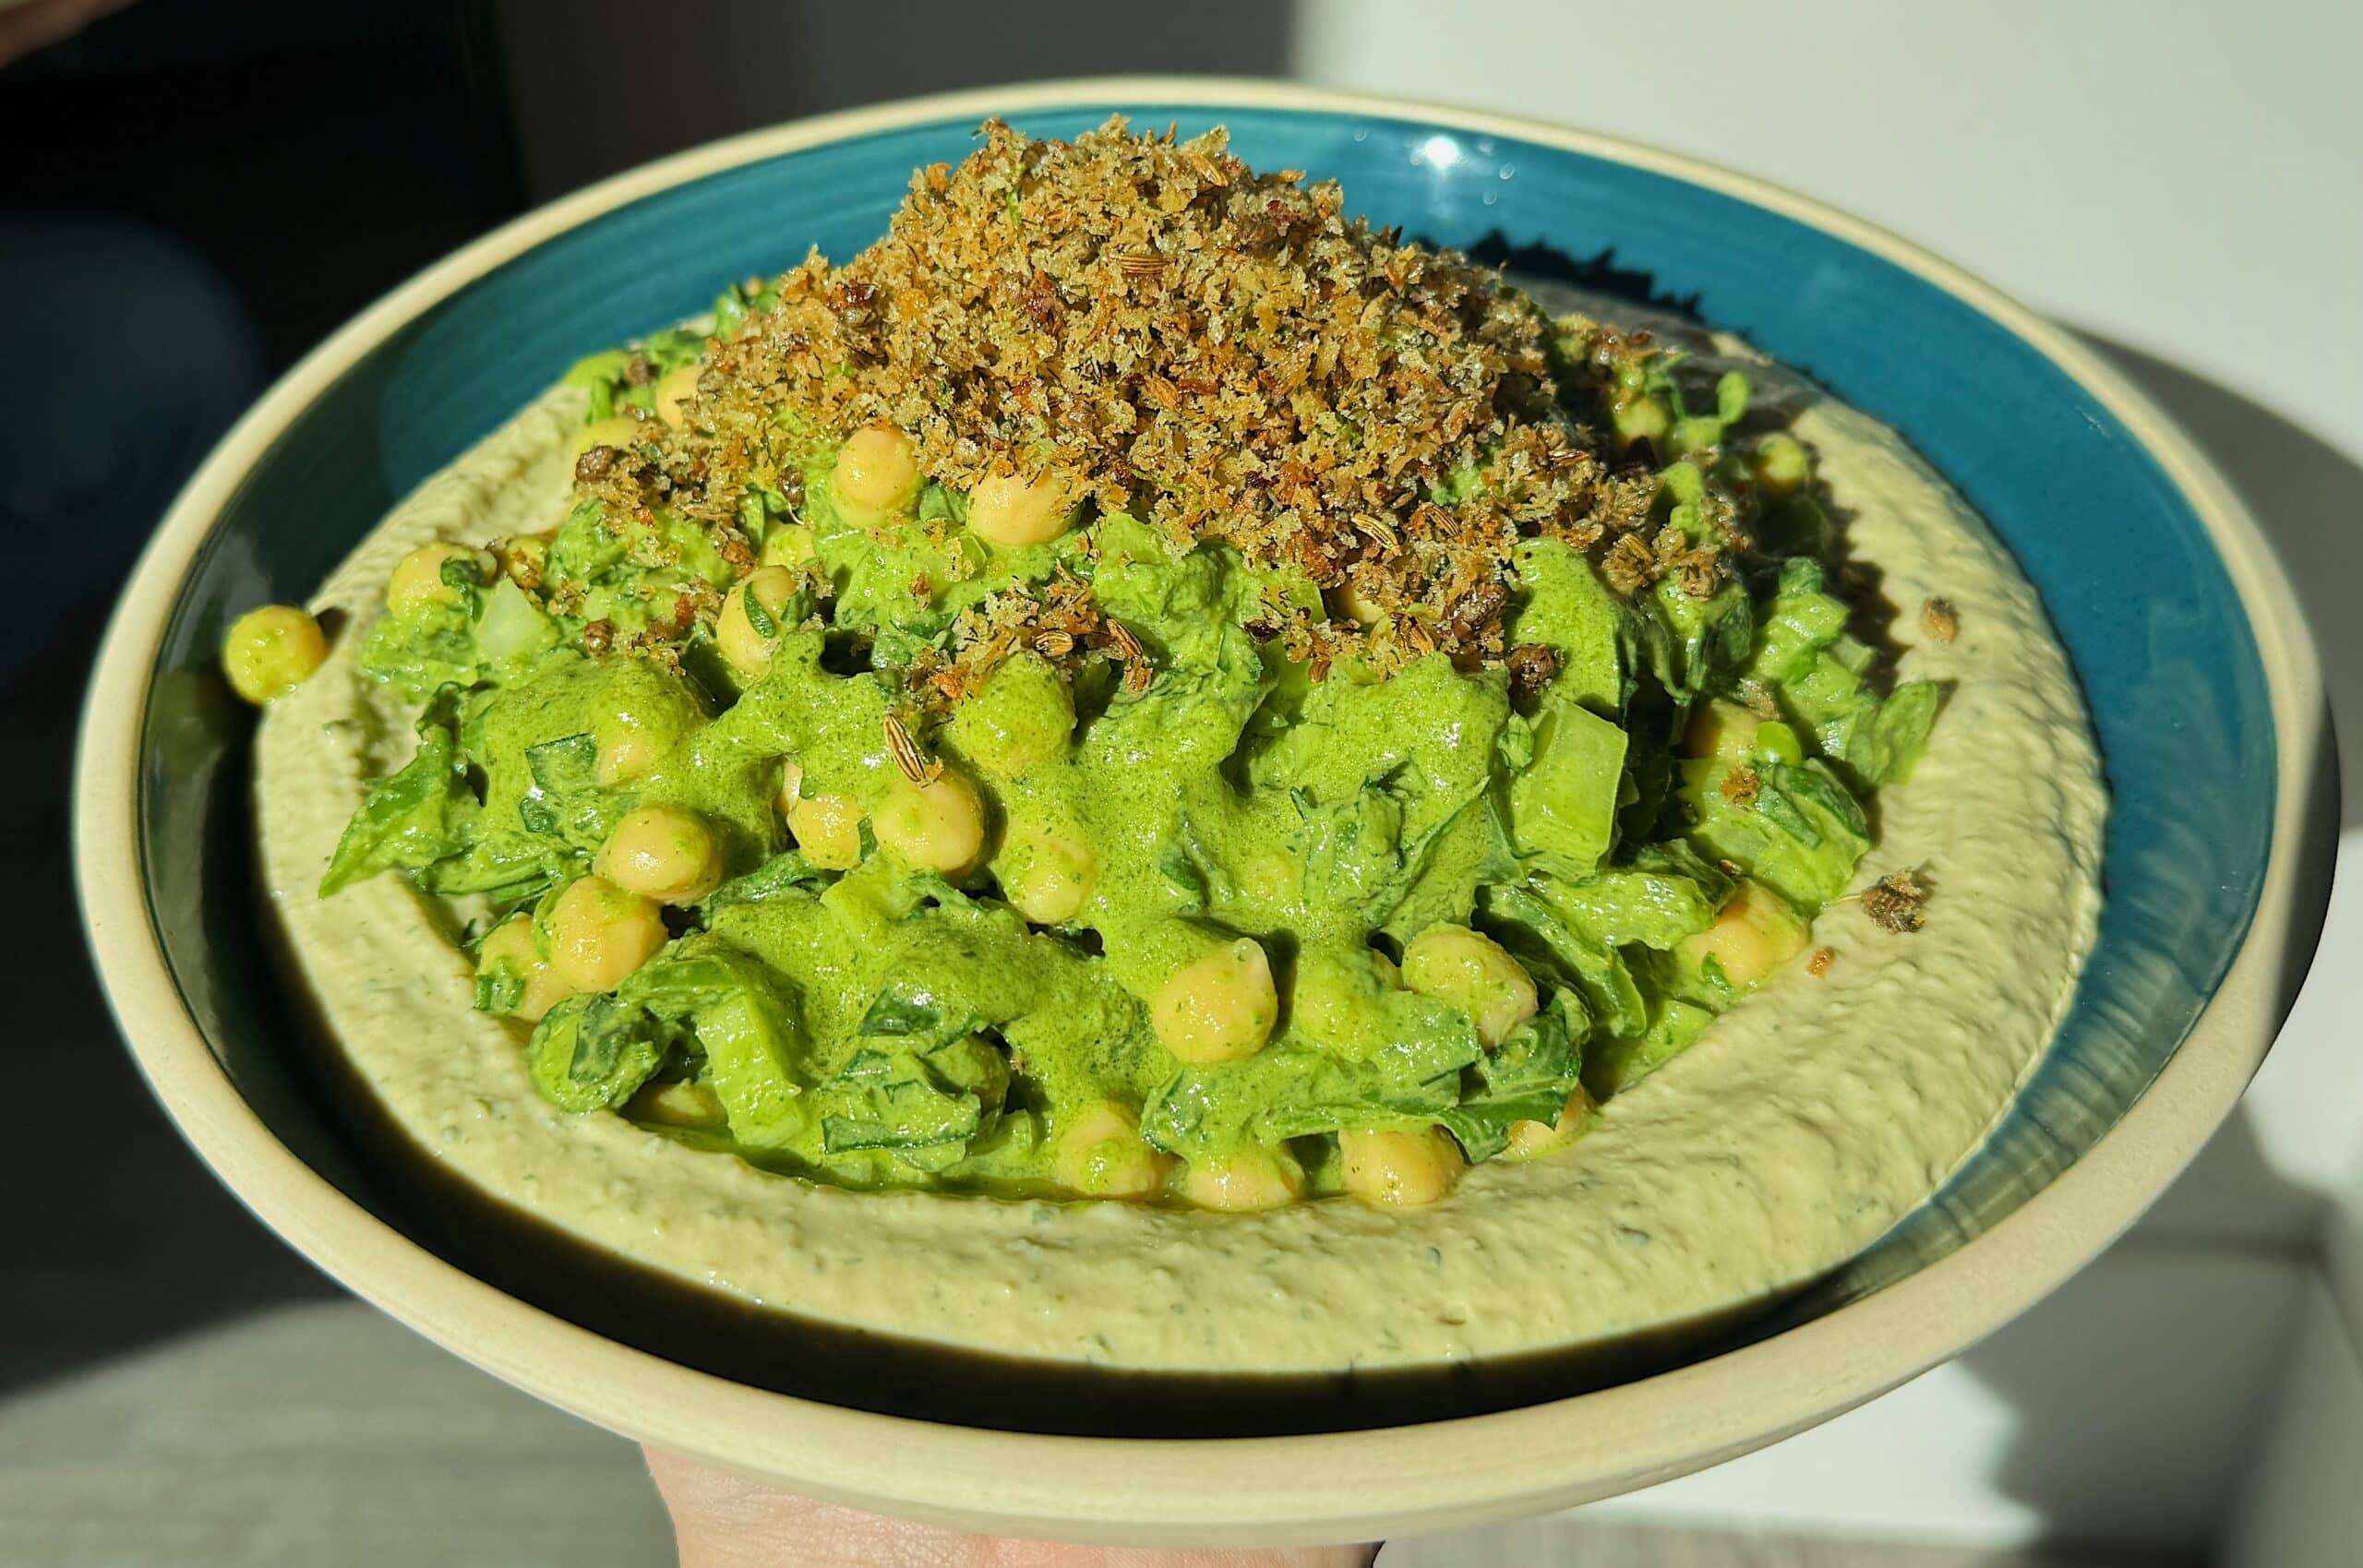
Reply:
x=2204, y=687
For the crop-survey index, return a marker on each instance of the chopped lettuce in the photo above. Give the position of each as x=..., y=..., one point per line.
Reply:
x=1796, y=829
x=1615, y=1064
x=1526, y=1078
x=1562, y=804
x=594, y=1052
x=416, y=814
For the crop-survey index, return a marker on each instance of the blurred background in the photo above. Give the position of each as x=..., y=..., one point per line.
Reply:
x=198, y=191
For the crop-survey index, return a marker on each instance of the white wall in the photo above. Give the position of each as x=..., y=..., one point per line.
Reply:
x=2180, y=180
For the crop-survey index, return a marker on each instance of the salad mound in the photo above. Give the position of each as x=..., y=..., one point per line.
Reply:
x=1135, y=687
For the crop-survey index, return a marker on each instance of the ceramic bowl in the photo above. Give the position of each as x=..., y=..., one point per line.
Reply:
x=2191, y=649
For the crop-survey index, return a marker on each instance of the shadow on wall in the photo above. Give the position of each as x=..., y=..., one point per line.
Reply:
x=720, y=66
x=2152, y=1379
x=2127, y=1406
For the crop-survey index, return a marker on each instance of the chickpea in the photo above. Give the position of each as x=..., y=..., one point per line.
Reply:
x=1010, y=510
x=626, y=755
x=787, y=544
x=270, y=652
x=1720, y=729
x=1021, y=719
x=1248, y=1180
x=1348, y=600
x=1781, y=465
x=620, y=431
x=1218, y=1007
x=1049, y=877
x=1529, y=1139
x=1100, y=1154
x=932, y=827
x=828, y=829
x=746, y=649
x=669, y=853
x=876, y=474
x=601, y=933
x=417, y=582
x=1383, y=1165
x=791, y=784
x=510, y=944
x=678, y=1103
x=1469, y=971
x=1753, y=934
x=1731, y=732
x=673, y=394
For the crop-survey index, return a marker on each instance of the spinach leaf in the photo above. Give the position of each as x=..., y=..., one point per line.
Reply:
x=565, y=801
x=744, y=1018
x=1559, y=948
x=784, y=872
x=415, y=816
x=1526, y=1078
x=594, y=1053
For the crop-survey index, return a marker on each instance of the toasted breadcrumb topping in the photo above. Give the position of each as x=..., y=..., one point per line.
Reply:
x=1226, y=355
x=1897, y=903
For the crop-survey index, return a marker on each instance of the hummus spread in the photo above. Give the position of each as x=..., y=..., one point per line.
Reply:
x=1145, y=776
x=1802, y=1125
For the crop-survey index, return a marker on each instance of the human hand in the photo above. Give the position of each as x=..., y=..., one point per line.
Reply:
x=722, y=1521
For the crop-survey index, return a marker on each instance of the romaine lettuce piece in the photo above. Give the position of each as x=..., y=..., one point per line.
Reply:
x=1555, y=951
x=1821, y=677
x=1795, y=624
x=746, y=1021
x=1668, y=895
x=1798, y=830
x=1563, y=805
x=924, y=1108
x=1443, y=872
x=640, y=574
x=1693, y=645
x=1888, y=735
x=1370, y=1055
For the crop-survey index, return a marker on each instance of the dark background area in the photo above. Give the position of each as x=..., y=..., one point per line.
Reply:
x=216, y=188
x=200, y=191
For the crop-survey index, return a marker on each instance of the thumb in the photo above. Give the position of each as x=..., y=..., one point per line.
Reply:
x=721, y=1520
